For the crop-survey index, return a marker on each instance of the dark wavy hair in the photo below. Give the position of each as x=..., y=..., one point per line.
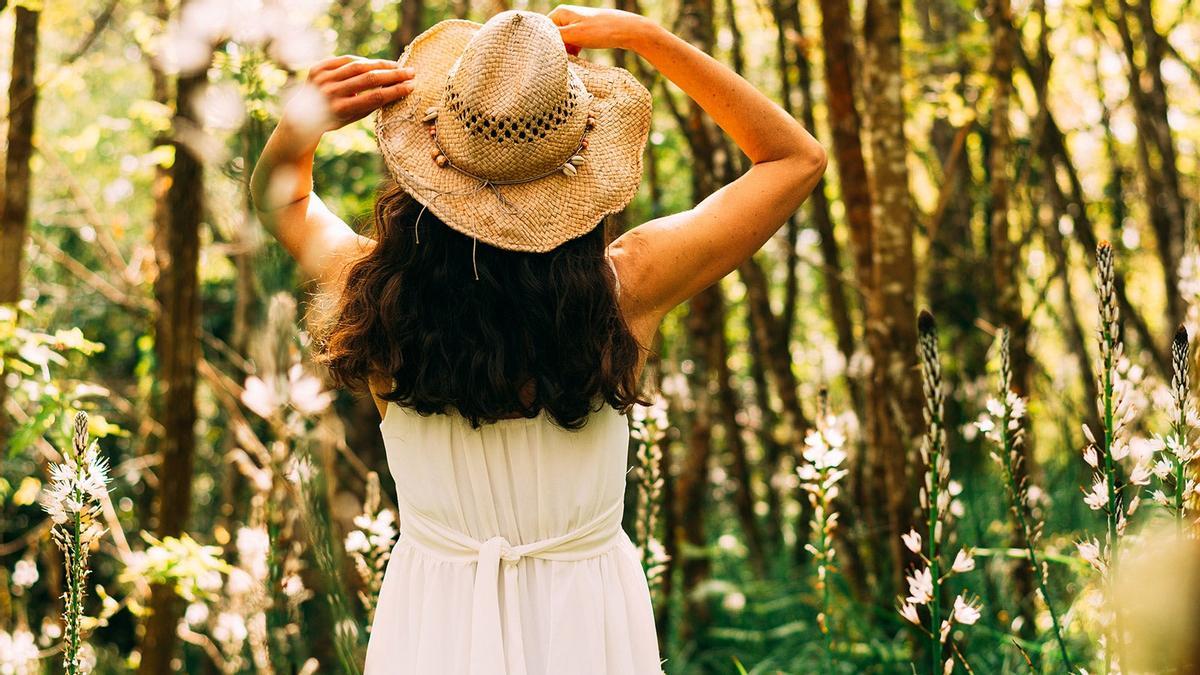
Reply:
x=414, y=312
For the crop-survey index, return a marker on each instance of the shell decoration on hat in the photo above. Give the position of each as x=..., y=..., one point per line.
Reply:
x=508, y=139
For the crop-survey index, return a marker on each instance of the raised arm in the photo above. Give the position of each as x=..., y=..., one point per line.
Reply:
x=340, y=90
x=666, y=261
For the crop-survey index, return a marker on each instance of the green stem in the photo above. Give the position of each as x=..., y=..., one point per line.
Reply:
x=823, y=545
x=1015, y=493
x=1180, y=473
x=935, y=618
x=74, y=601
x=1110, y=479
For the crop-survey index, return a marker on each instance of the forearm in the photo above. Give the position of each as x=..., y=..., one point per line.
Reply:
x=760, y=127
x=283, y=174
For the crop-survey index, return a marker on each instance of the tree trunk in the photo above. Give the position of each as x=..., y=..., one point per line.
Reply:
x=774, y=451
x=895, y=415
x=703, y=329
x=177, y=348
x=728, y=405
x=22, y=106
x=409, y=24
x=1008, y=310
x=870, y=483
x=14, y=204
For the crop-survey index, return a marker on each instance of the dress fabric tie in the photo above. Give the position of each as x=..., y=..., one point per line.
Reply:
x=497, y=561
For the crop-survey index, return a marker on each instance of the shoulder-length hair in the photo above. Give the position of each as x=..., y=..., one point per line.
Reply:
x=414, y=312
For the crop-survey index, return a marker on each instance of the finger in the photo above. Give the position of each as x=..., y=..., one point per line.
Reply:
x=329, y=64
x=359, y=106
x=562, y=15
x=379, y=77
x=567, y=33
x=356, y=67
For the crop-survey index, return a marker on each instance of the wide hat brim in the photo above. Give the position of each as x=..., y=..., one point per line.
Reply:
x=534, y=216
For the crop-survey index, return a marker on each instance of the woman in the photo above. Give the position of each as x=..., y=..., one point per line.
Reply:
x=501, y=335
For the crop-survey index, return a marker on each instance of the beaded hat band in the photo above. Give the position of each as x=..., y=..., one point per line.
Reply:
x=509, y=140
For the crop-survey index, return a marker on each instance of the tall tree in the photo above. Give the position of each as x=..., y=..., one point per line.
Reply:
x=894, y=280
x=411, y=22
x=22, y=106
x=14, y=204
x=704, y=325
x=840, y=61
x=1004, y=251
x=1006, y=282
x=177, y=350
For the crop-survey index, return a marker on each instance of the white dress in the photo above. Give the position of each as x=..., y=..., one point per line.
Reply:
x=511, y=558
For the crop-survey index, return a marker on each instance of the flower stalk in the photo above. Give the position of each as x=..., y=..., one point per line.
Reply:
x=1111, y=349
x=73, y=501
x=649, y=428
x=1179, y=447
x=1005, y=428
x=937, y=472
x=370, y=544
x=1105, y=451
x=819, y=477
x=925, y=584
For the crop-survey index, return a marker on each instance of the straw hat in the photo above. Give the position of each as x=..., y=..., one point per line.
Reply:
x=508, y=139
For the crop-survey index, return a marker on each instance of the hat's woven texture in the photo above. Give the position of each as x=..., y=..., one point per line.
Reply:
x=522, y=170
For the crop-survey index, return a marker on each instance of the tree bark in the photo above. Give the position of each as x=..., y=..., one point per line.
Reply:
x=177, y=348
x=831, y=272
x=22, y=107
x=895, y=415
x=408, y=25
x=728, y=405
x=14, y=204
x=703, y=329
x=869, y=483
x=1006, y=283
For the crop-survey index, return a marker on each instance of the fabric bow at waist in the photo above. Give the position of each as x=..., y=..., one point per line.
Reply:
x=589, y=540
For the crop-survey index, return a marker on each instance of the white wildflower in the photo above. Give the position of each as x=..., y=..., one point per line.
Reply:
x=1089, y=550
x=965, y=612
x=1098, y=497
x=357, y=542
x=1140, y=475
x=306, y=392
x=920, y=587
x=18, y=653
x=24, y=574
x=196, y=614
x=963, y=562
x=912, y=541
x=734, y=602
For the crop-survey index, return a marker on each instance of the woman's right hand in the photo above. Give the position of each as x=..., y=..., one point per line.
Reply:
x=347, y=89
x=598, y=28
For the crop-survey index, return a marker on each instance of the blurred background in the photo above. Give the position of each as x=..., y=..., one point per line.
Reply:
x=983, y=154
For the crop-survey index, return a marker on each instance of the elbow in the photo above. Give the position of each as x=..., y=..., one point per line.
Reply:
x=809, y=160
x=814, y=157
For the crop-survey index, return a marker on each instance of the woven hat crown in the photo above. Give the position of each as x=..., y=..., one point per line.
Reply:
x=512, y=109
x=508, y=139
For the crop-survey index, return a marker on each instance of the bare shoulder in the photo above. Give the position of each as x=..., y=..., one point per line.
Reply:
x=377, y=384
x=629, y=256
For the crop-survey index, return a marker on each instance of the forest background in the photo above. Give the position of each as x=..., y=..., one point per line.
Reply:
x=810, y=434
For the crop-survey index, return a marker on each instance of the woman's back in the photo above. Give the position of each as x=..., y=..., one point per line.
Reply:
x=512, y=557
